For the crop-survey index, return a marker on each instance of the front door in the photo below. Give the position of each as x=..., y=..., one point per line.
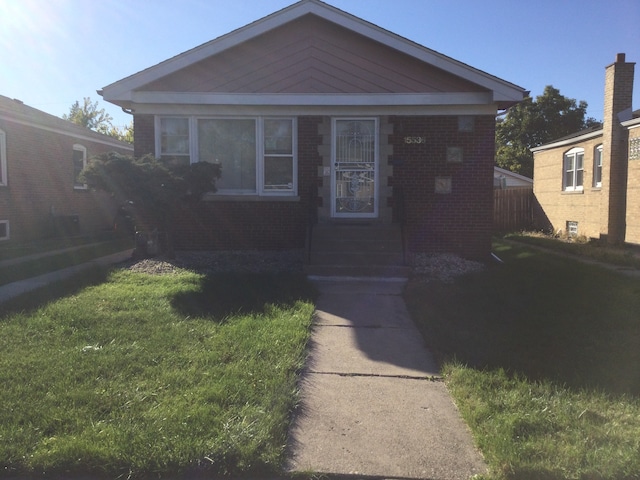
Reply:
x=355, y=166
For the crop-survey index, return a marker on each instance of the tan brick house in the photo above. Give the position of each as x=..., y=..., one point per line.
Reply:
x=40, y=158
x=588, y=183
x=320, y=118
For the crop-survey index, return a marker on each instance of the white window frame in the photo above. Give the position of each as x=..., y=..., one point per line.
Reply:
x=7, y=231
x=597, y=166
x=262, y=152
x=4, y=181
x=79, y=148
x=158, y=138
x=572, y=154
x=260, y=189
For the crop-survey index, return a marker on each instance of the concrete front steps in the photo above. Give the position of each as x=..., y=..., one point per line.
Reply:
x=356, y=250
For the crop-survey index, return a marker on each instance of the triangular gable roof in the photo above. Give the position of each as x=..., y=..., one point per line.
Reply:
x=131, y=89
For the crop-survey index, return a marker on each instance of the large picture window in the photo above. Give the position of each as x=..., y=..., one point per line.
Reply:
x=573, y=169
x=257, y=155
x=232, y=144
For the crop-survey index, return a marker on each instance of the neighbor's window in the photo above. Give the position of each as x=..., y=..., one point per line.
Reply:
x=573, y=169
x=256, y=154
x=174, y=140
x=597, y=166
x=79, y=162
x=3, y=158
x=4, y=229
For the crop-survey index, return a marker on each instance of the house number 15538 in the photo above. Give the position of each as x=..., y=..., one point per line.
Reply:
x=415, y=140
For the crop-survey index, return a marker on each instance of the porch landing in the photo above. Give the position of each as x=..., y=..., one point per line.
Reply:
x=357, y=250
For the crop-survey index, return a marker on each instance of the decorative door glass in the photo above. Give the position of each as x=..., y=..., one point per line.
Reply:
x=355, y=168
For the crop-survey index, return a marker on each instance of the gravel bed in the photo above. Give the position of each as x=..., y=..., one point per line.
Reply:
x=425, y=267
x=444, y=267
x=220, y=262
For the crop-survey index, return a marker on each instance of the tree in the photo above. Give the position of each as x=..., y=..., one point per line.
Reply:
x=149, y=189
x=125, y=134
x=532, y=123
x=90, y=116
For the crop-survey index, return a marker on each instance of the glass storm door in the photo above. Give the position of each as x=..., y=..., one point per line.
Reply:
x=354, y=185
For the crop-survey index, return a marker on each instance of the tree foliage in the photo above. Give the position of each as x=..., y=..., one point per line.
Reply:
x=532, y=123
x=97, y=119
x=150, y=189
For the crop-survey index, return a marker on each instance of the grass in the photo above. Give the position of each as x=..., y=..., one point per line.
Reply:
x=626, y=256
x=143, y=375
x=84, y=249
x=542, y=355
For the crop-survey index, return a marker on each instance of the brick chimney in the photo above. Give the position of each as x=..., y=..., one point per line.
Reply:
x=618, y=90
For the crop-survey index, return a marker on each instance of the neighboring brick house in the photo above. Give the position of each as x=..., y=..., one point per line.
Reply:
x=319, y=117
x=588, y=183
x=40, y=158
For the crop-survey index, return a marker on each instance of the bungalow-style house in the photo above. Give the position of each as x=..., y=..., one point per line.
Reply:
x=588, y=183
x=320, y=119
x=40, y=158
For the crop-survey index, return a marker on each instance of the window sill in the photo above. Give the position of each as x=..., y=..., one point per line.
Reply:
x=572, y=192
x=213, y=197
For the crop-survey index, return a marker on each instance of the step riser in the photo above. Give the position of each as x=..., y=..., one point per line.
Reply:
x=356, y=251
x=356, y=271
x=355, y=258
x=373, y=246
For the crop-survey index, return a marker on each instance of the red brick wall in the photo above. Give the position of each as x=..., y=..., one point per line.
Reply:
x=459, y=221
x=41, y=183
x=261, y=224
x=143, y=126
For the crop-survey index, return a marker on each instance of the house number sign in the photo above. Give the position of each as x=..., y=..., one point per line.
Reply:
x=415, y=139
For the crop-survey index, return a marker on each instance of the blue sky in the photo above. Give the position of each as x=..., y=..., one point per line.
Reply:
x=55, y=52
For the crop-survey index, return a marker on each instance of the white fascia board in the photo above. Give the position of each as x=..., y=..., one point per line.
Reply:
x=509, y=173
x=633, y=123
x=568, y=141
x=305, y=110
x=502, y=90
x=284, y=99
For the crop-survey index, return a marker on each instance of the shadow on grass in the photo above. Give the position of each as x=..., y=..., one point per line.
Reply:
x=226, y=294
x=538, y=314
x=30, y=301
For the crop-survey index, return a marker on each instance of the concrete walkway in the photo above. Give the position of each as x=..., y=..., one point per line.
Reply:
x=372, y=401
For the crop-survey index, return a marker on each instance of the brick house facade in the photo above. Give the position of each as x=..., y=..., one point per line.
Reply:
x=586, y=183
x=40, y=156
x=373, y=129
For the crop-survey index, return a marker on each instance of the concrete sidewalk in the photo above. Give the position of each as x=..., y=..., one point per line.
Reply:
x=15, y=289
x=372, y=401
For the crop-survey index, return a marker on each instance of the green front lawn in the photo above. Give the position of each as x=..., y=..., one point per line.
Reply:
x=542, y=355
x=143, y=375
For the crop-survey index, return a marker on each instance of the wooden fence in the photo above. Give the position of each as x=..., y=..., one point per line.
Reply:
x=512, y=209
